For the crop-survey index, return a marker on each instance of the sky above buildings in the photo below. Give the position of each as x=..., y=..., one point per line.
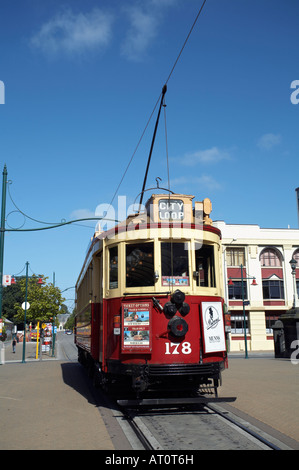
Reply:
x=79, y=80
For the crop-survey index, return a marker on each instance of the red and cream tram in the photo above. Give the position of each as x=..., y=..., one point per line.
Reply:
x=150, y=302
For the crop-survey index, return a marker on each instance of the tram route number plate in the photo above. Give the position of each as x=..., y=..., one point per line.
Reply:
x=171, y=209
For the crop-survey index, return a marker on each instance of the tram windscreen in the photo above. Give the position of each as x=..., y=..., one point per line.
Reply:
x=140, y=265
x=175, y=264
x=204, y=259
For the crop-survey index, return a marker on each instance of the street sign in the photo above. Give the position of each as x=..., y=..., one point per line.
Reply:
x=25, y=305
x=6, y=280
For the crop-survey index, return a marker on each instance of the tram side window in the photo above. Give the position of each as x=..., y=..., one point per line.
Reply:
x=205, y=267
x=113, y=267
x=140, y=265
x=175, y=265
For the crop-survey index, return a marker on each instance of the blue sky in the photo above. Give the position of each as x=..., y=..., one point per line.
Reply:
x=81, y=79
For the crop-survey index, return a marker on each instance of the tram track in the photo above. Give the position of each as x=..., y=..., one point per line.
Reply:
x=246, y=427
x=189, y=427
x=207, y=426
x=217, y=429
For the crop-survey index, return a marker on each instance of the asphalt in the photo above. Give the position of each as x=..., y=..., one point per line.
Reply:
x=46, y=404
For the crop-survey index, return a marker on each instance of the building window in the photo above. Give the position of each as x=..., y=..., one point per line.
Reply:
x=237, y=324
x=235, y=290
x=270, y=320
x=270, y=258
x=273, y=289
x=235, y=256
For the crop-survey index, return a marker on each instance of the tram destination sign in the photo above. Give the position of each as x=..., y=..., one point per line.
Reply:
x=171, y=209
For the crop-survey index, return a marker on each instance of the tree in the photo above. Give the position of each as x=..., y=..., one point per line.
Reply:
x=11, y=295
x=70, y=323
x=45, y=301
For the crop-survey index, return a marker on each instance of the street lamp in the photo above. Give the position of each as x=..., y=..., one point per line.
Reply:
x=25, y=311
x=293, y=264
x=254, y=283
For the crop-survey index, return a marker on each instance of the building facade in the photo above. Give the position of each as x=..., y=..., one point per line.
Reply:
x=267, y=288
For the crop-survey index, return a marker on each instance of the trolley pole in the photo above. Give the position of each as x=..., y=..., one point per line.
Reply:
x=164, y=89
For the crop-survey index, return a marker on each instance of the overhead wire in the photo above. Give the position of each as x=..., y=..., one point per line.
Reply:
x=158, y=100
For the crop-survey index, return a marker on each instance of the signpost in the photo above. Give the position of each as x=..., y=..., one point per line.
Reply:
x=37, y=338
x=25, y=306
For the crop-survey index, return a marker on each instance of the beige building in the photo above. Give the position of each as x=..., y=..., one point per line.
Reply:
x=268, y=284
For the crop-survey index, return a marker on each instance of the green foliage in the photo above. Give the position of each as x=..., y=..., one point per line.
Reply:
x=45, y=301
x=70, y=323
x=11, y=295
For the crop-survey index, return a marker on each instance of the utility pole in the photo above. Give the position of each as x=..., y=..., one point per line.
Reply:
x=2, y=234
x=26, y=306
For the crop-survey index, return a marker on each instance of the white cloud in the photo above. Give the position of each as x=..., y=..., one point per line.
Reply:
x=268, y=141
x=143, y=29
x=73, y=34
x=82, y=214
x=212, y=155
x=144, y=22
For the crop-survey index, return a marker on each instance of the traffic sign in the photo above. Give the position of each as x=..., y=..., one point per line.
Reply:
x=25, y=305
x=6, y=281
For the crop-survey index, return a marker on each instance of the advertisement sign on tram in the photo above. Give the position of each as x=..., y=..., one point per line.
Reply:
x=136, y=326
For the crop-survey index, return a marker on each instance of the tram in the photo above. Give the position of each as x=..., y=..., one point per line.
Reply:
x=149, y=300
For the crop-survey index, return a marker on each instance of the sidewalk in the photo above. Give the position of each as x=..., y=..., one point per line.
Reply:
x=30, y=352
x=47, y=405
x=266, y=389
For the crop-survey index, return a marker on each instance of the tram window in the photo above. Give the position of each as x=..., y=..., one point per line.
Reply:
x=113, y=267
x=204, y=260
x=140, y=265
x=175, y=265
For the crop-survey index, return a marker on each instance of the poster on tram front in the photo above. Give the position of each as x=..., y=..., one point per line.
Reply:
x=136, y=327
x=213, y=327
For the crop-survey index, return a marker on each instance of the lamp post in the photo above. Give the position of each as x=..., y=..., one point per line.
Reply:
x=2, y=233
x=53, y=336
x=25, y=312
x=254, y=283
x=293, y=264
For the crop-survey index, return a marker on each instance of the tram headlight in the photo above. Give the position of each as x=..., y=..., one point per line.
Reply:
x=178, y=326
